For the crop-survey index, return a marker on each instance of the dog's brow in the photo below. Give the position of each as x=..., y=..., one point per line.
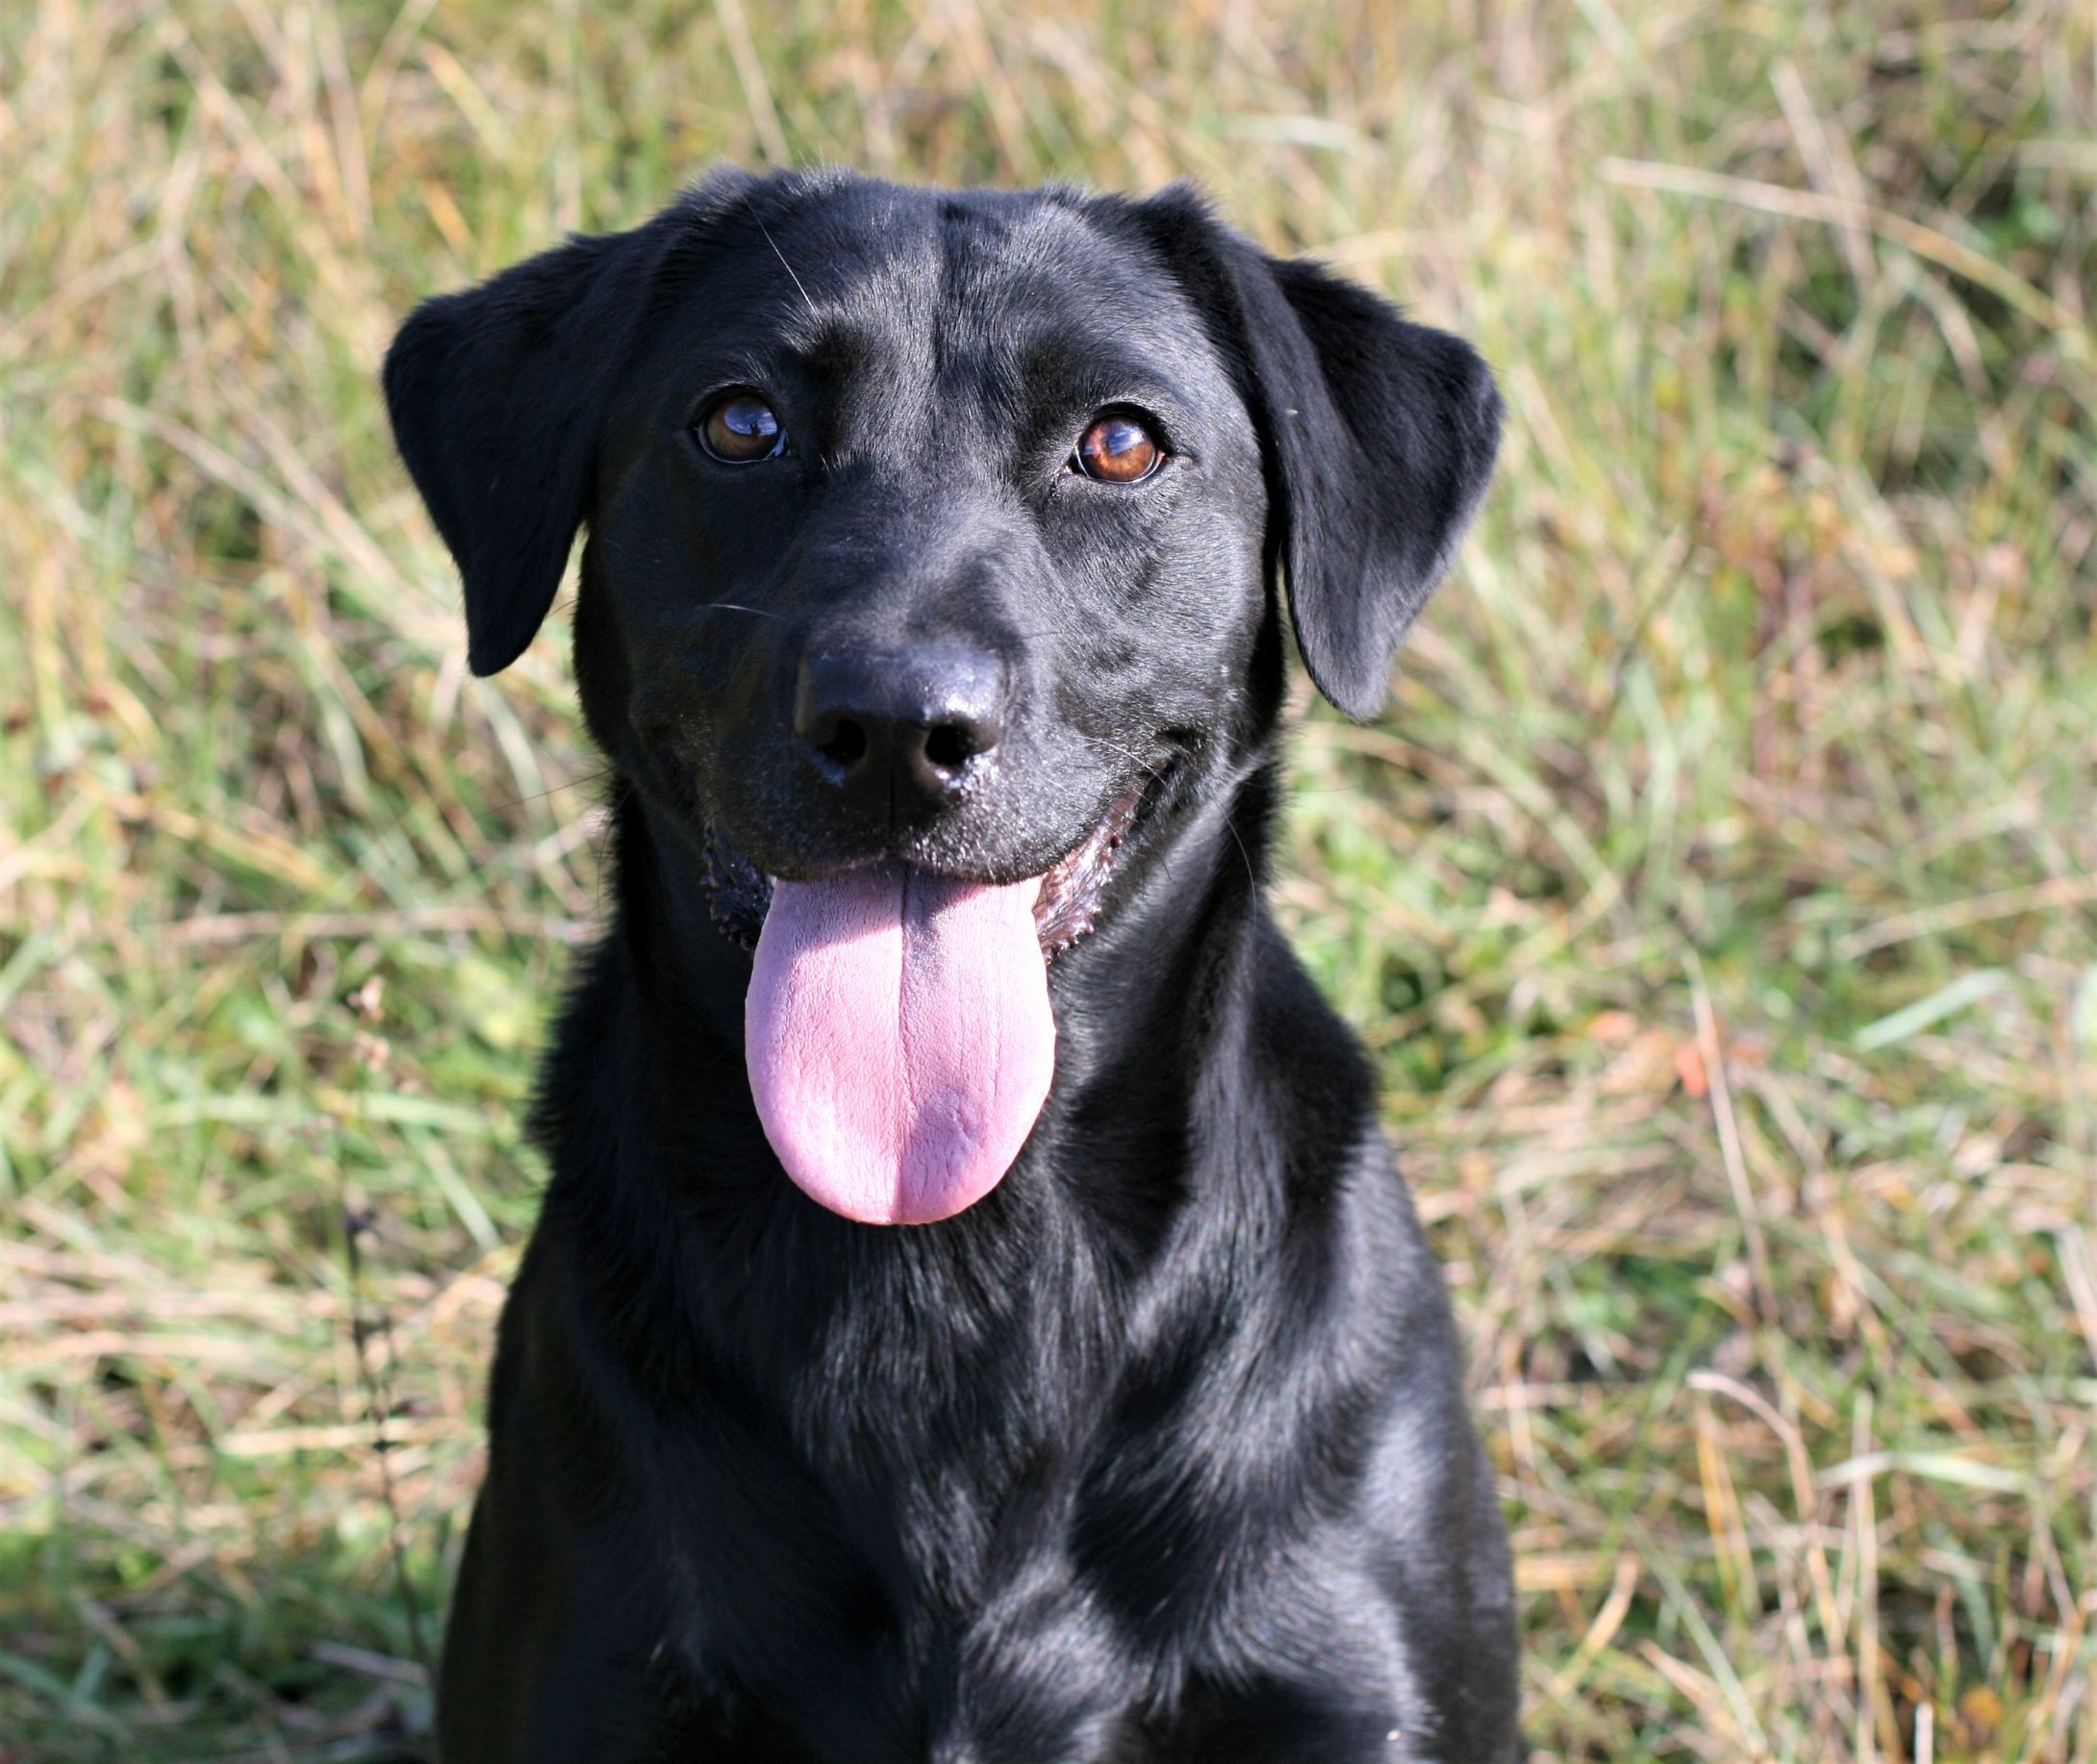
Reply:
x=1065, y=382
x=1079, y=363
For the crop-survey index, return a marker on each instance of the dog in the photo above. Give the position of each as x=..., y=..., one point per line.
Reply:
x=973, y=1318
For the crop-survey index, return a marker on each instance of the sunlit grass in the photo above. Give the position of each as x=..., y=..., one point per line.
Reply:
x=1720, y=894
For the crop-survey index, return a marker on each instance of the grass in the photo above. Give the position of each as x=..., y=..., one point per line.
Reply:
x=1720, y=894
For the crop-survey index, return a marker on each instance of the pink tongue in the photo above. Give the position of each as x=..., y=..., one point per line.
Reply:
x=899, y=1039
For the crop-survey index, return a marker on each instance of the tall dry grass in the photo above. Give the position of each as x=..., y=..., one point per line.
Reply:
x=1718, y=894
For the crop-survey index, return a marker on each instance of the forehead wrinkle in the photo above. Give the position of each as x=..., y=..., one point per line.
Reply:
x=1002, y=283
x=1080, y=299
x=868, y=328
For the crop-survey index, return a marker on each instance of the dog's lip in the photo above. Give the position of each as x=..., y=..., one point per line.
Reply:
x=1066, y=904
x=1072, y=887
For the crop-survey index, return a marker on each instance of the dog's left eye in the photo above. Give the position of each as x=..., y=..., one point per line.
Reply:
x=740, y=428
x=1118, y=449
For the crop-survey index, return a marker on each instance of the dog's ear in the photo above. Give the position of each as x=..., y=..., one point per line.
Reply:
x=1379, y=436
x=496, y=396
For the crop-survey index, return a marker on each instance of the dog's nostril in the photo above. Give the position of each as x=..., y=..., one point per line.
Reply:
x=897, y=731
x=950, y=746
x=844, y=743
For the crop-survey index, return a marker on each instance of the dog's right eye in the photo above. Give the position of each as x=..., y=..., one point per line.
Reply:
x=740, y=428
x=1117, y=447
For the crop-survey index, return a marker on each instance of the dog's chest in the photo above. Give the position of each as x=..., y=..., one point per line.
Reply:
x=969, y=1546
x=909, y=1525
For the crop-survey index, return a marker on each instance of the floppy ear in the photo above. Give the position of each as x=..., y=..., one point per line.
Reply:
x=496, y=396
x=1378, y=436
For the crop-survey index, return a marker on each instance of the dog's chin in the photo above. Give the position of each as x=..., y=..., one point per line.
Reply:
x=1072, y=890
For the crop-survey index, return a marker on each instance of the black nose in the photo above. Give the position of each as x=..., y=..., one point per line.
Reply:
x=898, y=731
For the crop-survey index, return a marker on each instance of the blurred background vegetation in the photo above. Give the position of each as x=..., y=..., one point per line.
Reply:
x=1718, y=894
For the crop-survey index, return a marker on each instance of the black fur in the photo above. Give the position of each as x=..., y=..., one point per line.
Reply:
x=1161, y=1451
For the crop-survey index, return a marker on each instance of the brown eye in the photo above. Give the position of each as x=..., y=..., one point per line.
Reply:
x=741, y=428
x=1118, y=449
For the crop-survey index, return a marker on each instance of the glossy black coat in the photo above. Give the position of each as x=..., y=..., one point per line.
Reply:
x=1161, y=1451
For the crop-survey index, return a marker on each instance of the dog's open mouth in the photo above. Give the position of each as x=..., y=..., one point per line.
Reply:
x=1069, y=900
x=739, y=895
x=898, y=1027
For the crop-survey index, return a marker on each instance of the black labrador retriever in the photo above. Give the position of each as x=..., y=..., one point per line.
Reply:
x=974, y=1316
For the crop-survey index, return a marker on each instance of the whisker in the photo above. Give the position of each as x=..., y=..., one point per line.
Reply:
x=622, y=789
x=731, y=606
x=1237, y=839
x=1134, y=759
x=784, y=265
x=1230, y=825
x=583, y=781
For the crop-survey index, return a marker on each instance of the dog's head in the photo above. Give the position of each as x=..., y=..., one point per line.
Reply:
x=934, y=541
